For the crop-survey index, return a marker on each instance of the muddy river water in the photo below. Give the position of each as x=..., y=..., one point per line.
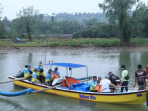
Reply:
x=99, y=64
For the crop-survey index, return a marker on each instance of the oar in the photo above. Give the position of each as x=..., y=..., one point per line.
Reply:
x=43, y=89
x=12, y=80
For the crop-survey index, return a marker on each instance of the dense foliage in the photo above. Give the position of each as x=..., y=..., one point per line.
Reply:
x=121, y=22
x=100, y=31
x=118, y=10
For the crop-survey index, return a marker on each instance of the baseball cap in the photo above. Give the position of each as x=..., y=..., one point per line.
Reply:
x=40, y=62
x=109, y=73
x=35, y=69
x=29, y=65
x=106, y=76
x=99, y=77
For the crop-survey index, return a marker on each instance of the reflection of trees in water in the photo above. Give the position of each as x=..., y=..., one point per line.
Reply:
x=125, y=59
x=30, y=57
x=131, y=60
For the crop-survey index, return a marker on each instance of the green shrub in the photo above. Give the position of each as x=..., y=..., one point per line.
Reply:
x=53, y=44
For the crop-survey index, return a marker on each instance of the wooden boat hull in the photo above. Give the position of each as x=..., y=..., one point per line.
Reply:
x=134, y=98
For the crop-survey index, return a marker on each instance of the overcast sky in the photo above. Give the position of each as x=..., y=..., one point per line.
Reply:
x=11, y=7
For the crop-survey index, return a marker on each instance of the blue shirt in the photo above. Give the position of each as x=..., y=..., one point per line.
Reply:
x=39, y=68
x=48, y=76
x=34, y=75
x=25, y=70
x=57, y=73
x=93, y=84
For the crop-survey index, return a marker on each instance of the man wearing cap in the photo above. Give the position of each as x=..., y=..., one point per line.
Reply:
x=28, y=72
x=98, y=83
x=49, y=78
x=41, y=75
x=55, y=71
x=123, y=80
x=105, y=85
x=113, y=78
x=34, y=76
x=40, y=66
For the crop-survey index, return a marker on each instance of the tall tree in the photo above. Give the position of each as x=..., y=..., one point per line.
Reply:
x=145, y=22
x=118, y=10
x=1, y=9
x=2, y=26
x=26, y=20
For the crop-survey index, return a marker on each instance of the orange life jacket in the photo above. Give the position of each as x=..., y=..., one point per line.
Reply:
x=54, y=76
x=97, y=88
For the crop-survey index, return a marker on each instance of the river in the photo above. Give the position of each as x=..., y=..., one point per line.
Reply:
x=99, y=64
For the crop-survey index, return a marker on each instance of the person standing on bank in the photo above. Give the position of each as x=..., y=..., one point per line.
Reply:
x=140, y=78
x=123, y=80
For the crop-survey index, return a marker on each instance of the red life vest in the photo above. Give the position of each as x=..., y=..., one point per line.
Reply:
x=54, y=76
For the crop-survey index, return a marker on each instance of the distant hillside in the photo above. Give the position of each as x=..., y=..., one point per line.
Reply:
x=80, y=17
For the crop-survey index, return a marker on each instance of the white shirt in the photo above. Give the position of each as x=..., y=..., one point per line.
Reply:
x=105, y=85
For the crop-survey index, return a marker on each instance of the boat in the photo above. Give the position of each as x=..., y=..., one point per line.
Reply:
x=130, y=97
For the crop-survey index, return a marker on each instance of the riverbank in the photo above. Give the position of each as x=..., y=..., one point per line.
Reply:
x=78, y=45
x=68, y=49
x=80, y=42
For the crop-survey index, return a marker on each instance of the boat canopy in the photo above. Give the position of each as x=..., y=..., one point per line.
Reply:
x=68, y=65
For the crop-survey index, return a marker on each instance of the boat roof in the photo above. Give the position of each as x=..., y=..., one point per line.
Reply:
x=68, y=65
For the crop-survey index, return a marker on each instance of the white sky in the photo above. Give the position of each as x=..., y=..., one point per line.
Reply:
x=11, y=7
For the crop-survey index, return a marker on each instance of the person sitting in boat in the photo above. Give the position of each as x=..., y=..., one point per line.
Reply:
x=113, y=78
x=41, y=75
x=28, y=72
x=55, y=71
x=40, y=66
x=35, y=77
x=98, y=83
x=21, y=73
x=105, y=85
x=49, y=78
x=93, y=84
x=146, y=79
x=140, y=78
x=24, y=68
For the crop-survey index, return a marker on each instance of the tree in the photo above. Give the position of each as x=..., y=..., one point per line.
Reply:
x=145, y=22
x=3, y=33
x=26, y=19
x=1, y=9
x=118, y=11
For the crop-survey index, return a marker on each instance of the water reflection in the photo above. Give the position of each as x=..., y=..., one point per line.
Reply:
x=98, y=64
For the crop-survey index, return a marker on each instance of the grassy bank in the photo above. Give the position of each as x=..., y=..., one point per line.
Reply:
x=72, y=42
